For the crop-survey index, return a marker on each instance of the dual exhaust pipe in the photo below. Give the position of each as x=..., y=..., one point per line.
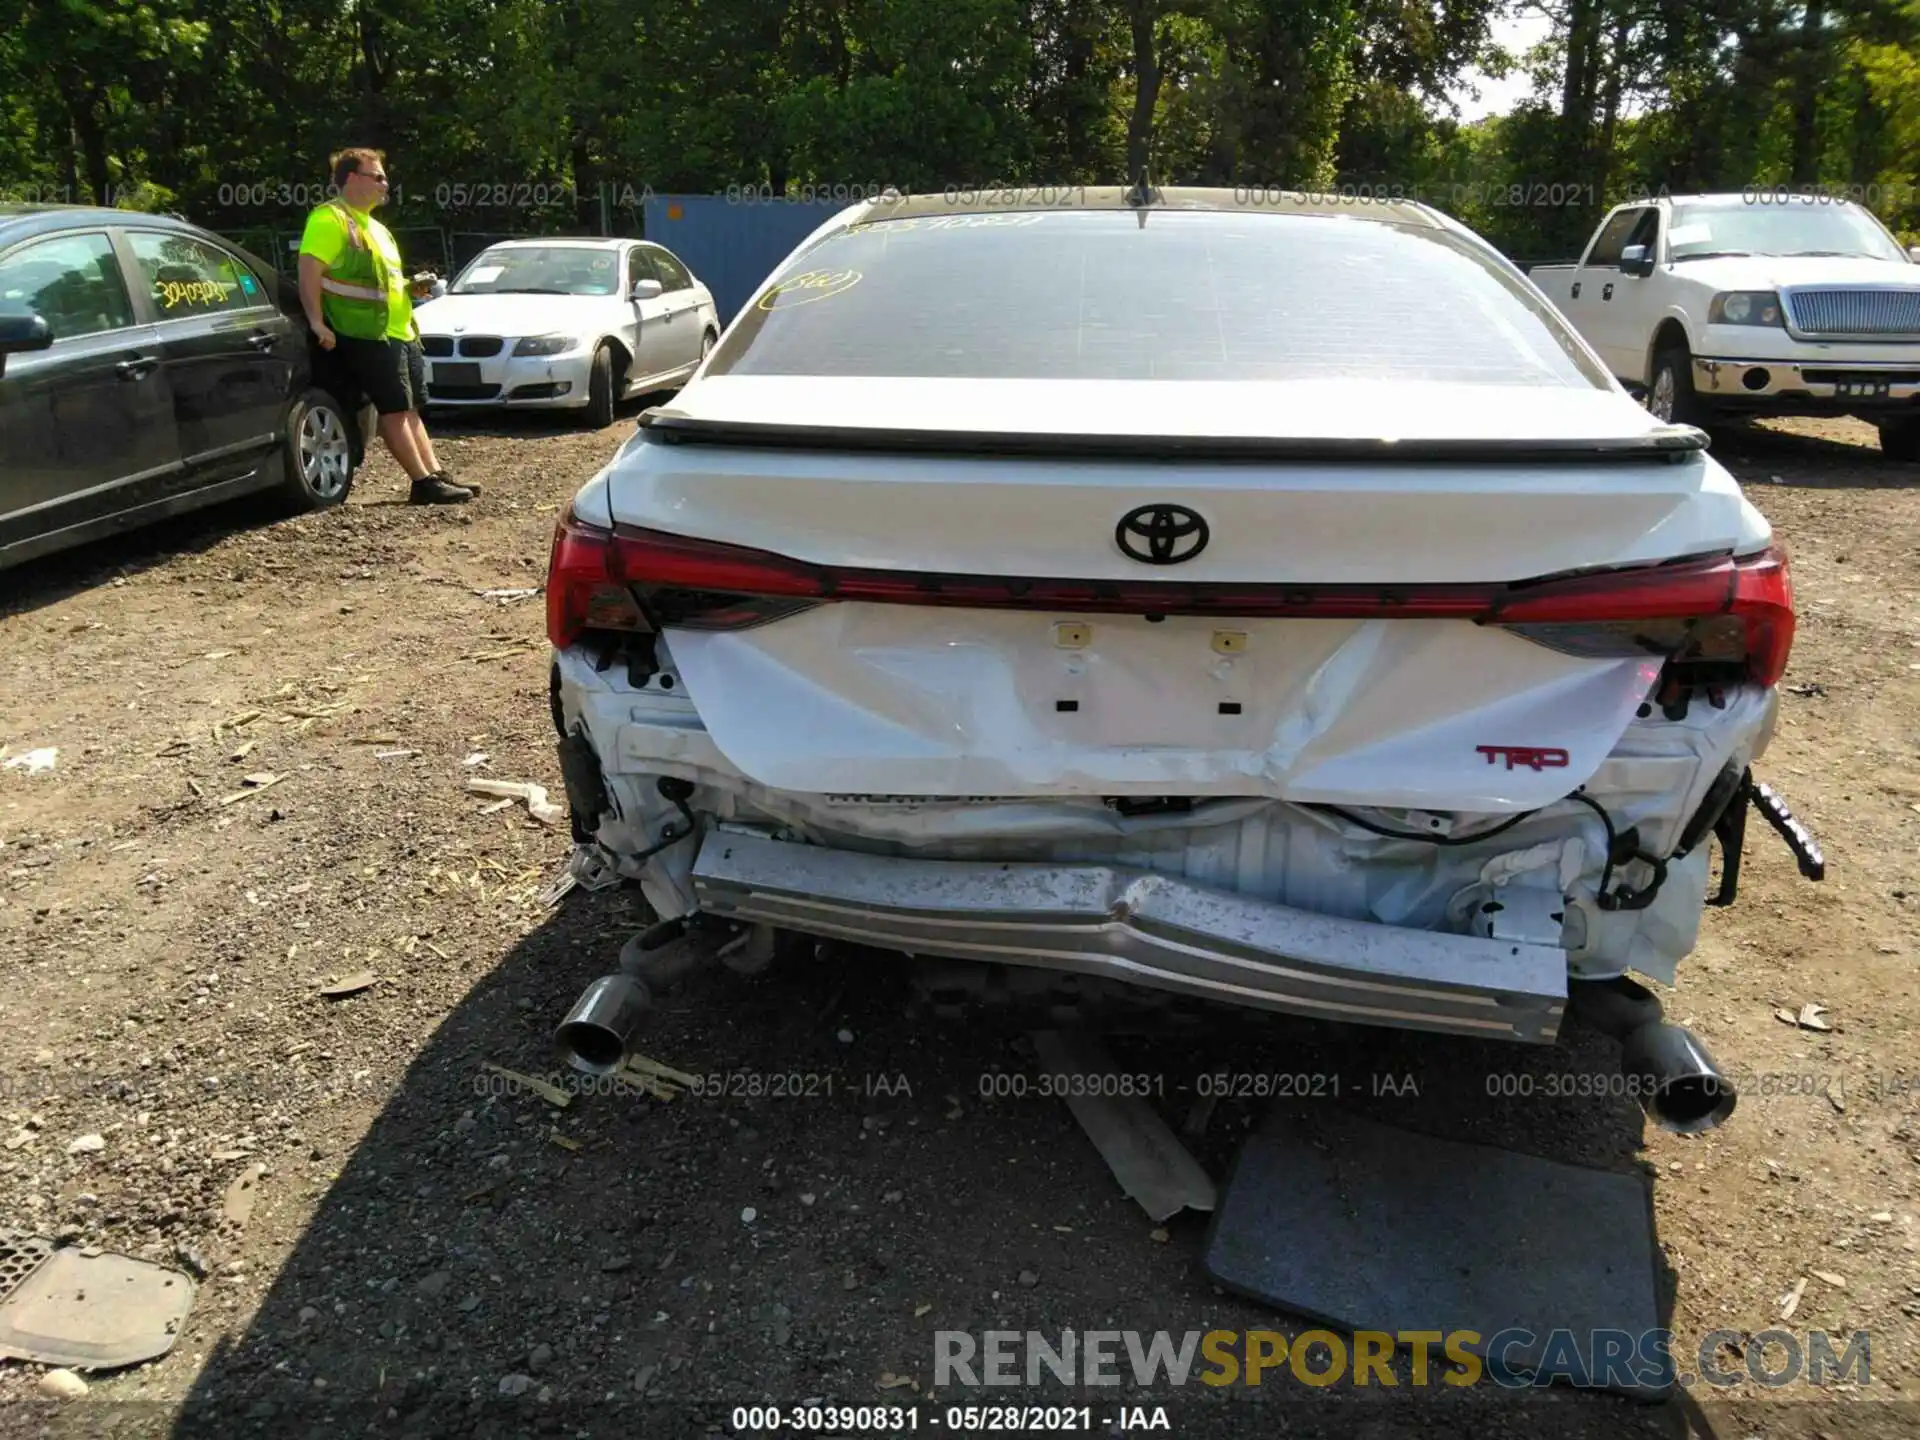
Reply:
x=1669, y=1072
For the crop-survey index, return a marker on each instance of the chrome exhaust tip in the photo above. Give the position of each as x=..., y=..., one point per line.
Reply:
x=1675, y=1079
x=1669, y=1072
x=597, y=1034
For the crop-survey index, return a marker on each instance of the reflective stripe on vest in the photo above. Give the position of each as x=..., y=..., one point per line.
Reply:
x=354, y=297
x=352, y=292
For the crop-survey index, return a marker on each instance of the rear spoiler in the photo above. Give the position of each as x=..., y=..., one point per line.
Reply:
x=1669, y=442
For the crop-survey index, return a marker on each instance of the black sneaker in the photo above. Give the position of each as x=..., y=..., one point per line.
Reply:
x=445, y=478
x=432, y=490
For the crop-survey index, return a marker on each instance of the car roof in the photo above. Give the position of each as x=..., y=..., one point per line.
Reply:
x=1242, y=199
x=584, y=242
x=1759, y=194
x=19, y=221
x=24, y=222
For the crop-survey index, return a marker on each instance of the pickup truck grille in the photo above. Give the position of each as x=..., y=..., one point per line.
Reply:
x=1855, y=312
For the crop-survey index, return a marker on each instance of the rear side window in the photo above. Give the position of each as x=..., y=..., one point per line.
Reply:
x=639, y=268
x=186, y=277
x=73, y=282
x=673, y=275
x=1171, y=295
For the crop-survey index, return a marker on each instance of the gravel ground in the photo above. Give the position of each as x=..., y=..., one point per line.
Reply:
x=431, y=1255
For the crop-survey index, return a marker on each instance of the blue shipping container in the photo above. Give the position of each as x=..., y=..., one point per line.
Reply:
x=732, y=245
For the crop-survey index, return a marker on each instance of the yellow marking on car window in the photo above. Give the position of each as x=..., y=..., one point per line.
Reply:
x=174, y=293
x=807, y=287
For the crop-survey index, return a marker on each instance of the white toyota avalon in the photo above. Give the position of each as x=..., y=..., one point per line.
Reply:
x=1272, y=603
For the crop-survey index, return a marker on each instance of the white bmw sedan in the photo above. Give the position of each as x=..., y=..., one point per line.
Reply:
x=1270, y=602
x=566, y=324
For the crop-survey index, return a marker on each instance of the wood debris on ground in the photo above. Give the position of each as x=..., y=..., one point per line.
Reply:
x=538, y=806
x=1790, y=1302
x=255, y=783
x=651, y=1077
x=242, y=1194
x=352, y=985
x=550, y=1093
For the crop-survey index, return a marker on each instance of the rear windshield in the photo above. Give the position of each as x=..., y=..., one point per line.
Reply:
x=1173, y=295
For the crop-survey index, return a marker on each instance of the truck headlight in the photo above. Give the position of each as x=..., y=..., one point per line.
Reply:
x=544, y=345
x=1744, y=307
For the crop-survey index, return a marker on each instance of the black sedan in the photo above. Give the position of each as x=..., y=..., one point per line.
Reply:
x=149, y=367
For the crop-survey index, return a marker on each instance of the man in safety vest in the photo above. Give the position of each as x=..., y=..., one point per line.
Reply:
x=359, y=305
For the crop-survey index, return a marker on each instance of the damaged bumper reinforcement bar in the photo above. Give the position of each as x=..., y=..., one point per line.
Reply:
x=1143, y=928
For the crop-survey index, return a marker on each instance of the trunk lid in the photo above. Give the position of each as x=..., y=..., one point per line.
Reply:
x=1365, y=709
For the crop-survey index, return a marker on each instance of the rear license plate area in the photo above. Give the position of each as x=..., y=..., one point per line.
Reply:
x=456, y=374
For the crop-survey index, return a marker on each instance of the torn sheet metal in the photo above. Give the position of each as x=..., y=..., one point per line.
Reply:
x=1268, y=849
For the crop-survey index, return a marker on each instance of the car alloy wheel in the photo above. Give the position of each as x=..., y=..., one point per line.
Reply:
x=326, y=457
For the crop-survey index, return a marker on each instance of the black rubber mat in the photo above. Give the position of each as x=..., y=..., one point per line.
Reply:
x=1361, y=1226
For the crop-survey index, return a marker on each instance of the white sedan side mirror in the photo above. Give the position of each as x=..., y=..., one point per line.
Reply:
x=1914, y=251
x=647, y=290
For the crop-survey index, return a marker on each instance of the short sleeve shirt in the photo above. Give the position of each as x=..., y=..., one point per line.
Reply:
x=325, y=238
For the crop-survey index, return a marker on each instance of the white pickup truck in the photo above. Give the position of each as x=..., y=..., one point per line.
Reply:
x=1752, y=304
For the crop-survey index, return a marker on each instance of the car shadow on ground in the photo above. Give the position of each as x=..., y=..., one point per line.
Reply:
x=1757, y=454
x=63, y=574
x=852, y=1183
x=524, y=424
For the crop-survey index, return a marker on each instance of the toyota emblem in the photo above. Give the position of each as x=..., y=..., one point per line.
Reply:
x=1161, y=534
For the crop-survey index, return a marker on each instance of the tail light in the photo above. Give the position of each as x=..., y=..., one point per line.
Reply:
x=1734, y=616
x=1720, y=617
x=584, y=589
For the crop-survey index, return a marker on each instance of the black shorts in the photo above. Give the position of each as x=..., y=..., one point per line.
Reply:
x=390, y=373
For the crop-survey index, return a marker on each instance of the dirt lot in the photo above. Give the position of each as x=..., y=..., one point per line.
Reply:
x=418, y=1241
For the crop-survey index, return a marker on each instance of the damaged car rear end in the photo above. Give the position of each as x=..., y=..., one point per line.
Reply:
x=1271, y=604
